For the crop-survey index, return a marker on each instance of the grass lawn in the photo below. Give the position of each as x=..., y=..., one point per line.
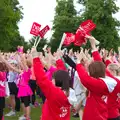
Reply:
x=35, y=114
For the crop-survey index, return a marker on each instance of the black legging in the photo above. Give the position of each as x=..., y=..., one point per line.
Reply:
x=40, y=93
x=32, y=84
x=17, y=106
x=2, y=106
x=1, y=113
x=118, y=118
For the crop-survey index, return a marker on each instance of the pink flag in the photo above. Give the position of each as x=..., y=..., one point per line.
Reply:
x=44, y=31
x=35, y=29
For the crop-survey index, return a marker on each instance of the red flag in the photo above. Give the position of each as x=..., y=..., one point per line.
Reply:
x=79, y=38
x=87, y=26
x=35, y=29
x=84, y=29
x=44, y=31
x=70, y=37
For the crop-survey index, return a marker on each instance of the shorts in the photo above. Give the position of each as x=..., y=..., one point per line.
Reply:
x=26, y=101
x=81, y=98
x=13, y=88
x=2, y=102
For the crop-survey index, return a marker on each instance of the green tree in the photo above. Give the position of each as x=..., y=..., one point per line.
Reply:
x=19, y=40
x=10, y=15
x=101, y=12
x=65, y=20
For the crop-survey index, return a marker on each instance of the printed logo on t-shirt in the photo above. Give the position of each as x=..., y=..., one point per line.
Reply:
x=118, y=96
x=104, y=98
x=64, y=111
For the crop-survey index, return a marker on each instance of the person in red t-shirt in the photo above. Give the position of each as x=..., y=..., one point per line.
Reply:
x=113, y=99
x=99, y=87
x=56, y=106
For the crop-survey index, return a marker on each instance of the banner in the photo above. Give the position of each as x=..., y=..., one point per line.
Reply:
x=44, y=31
x=69, y=38
x=35, y=29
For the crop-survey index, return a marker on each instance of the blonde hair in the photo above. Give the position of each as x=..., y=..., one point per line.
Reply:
x=29, y=63
x=118, y=70
x=113, y=66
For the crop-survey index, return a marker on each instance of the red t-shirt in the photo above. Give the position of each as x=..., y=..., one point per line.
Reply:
x=96, y=107
x=97, y=102
x=114, y=96
x=57, y=106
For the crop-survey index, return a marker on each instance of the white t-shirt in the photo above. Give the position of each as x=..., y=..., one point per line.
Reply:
x=72, y=97
x=12, y=76
x=77, y=85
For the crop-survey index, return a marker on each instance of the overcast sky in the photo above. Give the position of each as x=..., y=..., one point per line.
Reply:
x=41, y=11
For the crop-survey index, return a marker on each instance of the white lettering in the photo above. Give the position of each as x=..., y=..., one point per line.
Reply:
x=64, y=112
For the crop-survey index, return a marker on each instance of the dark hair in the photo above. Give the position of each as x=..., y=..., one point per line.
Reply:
x=97, y=69
x=3, y=67
x=62, y=79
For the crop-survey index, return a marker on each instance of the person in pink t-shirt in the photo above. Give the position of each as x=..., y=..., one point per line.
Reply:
x=3, y=69
x=24, y=91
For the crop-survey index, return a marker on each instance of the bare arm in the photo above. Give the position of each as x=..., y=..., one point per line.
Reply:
x=9, y=65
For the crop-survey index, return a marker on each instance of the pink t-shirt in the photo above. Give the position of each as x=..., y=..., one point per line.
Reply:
x=50, y=72
x=2, y=84
x=25, y=77
x=24, y=88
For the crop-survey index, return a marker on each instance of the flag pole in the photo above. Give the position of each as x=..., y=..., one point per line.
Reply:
x=38, y=42
x=35, y=41
x=62, y=40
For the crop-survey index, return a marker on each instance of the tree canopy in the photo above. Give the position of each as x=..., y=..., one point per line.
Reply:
x=101, y=12
x=10, y=15
x=65, y=20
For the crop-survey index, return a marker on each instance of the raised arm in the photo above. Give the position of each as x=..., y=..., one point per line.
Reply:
x=9, y=65
x=95, y=54
x=23, y=62
x=69, y=61
x=89, y=82
x=60, y=65
x=59, y=62
x=47, y=87
x=92, y=84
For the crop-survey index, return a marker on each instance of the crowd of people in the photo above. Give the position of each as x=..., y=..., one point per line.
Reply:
x=84, y=83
